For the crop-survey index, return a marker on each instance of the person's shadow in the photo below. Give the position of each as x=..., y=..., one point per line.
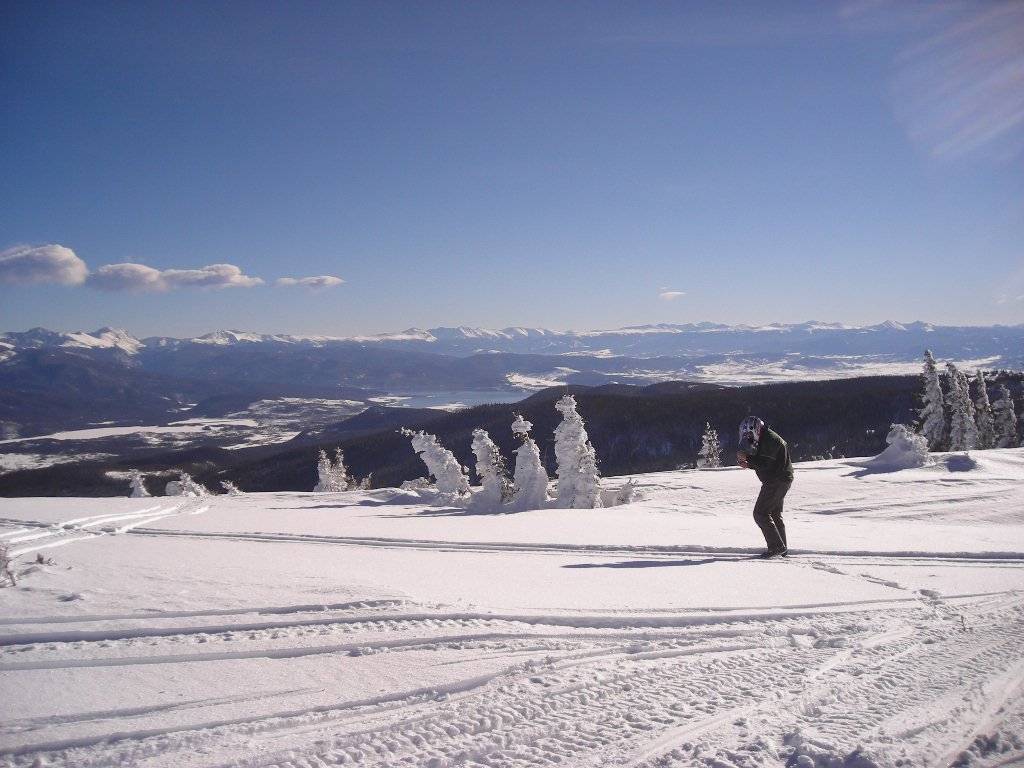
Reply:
x=653, y=563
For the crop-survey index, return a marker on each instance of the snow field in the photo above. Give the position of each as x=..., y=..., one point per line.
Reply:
x=373, y=628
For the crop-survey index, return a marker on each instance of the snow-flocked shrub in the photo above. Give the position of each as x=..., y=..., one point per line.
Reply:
x=905, y=450
x=627, y=493
x=530, y=480
x=419, y=484
x=578, y=477
x=230, y=488
x=449, y=476
x=136, y=485
x=185, y=486
x=7, y=577
x=495, y=487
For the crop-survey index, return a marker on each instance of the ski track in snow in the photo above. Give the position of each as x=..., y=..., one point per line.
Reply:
x=47, y=535
x=747, y=692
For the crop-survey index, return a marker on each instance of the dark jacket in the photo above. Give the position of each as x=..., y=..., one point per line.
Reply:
x=771, y=462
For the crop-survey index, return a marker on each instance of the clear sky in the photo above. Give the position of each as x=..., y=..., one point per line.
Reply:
x=560, y=164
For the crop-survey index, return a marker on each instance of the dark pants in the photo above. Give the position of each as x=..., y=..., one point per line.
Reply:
x=768, y=513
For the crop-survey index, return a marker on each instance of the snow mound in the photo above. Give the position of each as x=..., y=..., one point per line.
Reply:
x=906, y=450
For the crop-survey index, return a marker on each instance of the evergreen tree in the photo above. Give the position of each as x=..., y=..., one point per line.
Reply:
x=577, y=460
x=963, y=432
x=1005, y=419
x=932, y=416
x=324, y=482
x=530, y=480
x=710, y=453
x=450, y=476
x=983, y=415
x=340, y=479
x=495, y=486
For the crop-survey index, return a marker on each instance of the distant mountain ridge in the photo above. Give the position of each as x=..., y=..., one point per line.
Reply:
x=51, y=380
x=682, y=340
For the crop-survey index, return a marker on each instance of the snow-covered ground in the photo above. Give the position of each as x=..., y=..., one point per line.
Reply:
x=372, y=628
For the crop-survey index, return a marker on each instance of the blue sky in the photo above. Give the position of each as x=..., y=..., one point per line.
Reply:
x=569, y=165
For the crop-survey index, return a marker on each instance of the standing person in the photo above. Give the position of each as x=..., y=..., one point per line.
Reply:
x=764, y=451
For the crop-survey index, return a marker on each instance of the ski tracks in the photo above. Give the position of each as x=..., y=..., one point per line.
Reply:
x=33, y=536
x=878, y=684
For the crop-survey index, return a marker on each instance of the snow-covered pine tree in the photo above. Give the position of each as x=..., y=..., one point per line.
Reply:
x=190, y=487
x=983, y=415
x=450, y=476
x=932, y=416
x=588, y=488
x=1004, y=418
x=710, y=453
x=577, y=461
x=323, y=473
x=530, y=480
x=136, y=485
x=963, y=432
x=340, y=479
x=495, y=487
x=230, y=488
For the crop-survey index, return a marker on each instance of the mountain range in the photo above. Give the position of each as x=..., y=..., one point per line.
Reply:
x=682, y=340
x=51, y=380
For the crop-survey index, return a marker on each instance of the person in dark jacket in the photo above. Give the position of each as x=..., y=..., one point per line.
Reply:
x=764, y=451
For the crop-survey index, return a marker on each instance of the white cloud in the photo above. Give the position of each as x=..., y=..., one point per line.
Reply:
x=212, y=276
x=140, y=278
x=320, y=281
x=127, y=277
x=24, y=264
x=667, y=295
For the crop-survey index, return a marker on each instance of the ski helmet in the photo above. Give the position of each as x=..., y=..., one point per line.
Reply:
x=750, y=431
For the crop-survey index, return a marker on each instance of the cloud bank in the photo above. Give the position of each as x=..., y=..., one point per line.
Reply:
x=51, y=263
x=27, y=264
x=320, y=281
x=138, y=278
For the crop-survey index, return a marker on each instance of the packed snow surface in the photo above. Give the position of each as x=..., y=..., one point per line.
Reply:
x=377, y=628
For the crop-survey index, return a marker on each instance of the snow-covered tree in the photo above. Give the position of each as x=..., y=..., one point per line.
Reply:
x=1004, y=418
x=710, y=453
x=332, y=475
x=588, y=488
x=449, y=475
x=983, y=415
x=323, y=473
x=577, y=461
x=185, y=486
x=932, y=416
x=136, y=485
x=230, y=488
x=963, y=432
x=530, y=480
x=495, y=488
x=340, y=478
